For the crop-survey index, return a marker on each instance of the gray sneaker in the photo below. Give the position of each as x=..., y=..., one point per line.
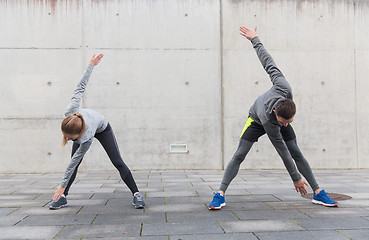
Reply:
x=138, y=201
x=61, y=202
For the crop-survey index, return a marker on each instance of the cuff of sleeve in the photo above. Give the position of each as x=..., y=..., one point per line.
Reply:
x=63, y=184
x=296, y=177
x=90, y=66
x=255, y=40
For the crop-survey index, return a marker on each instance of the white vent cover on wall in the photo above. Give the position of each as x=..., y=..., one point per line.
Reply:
x=178, y=148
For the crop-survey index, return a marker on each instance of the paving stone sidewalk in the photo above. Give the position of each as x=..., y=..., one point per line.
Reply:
x=261, y=204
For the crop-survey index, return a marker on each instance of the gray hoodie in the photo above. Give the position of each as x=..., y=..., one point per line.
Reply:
x=262, y=110
x=95, y=123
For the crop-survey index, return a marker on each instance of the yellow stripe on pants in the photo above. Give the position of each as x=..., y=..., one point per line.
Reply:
x=248, y=123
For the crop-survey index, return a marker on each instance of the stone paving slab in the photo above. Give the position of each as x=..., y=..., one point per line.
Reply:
x=270, y=214
x=259, y=225
x=356, y=234
x=363, y=203
x=22, y=203
x=27, y=232
x=221, y=236
x=186, y=207
x=6, y=211
x=292, y=205
x=333, y=223
x=72, y=196
x=12, y=197
x=180, y=228
x=177, y=200
x=301, y=235
x=61, y=220
x=100, y=209
x=335, y=212
x=180, y=217
x=126, y=218
x=132, y=238
x=172, y=194
x=100, y=206
x=100, y=231
x=45, y=210
x=246, y=206
x=252, y=198
x=11, y=220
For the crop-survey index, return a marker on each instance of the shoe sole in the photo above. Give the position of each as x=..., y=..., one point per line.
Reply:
x=324, y=204
x=217, y=208
x=139, y=206
x=55, y=208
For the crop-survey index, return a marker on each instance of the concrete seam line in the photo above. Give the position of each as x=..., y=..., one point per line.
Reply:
x=298, y=224
x=221, y=226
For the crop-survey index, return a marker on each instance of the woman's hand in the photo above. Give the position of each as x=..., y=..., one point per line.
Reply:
x=58, y=193
x=248, y=33
x=95, y=59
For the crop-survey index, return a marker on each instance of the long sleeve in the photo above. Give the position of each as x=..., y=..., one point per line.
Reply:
x=75, y=160
x=279, y=81
x=281, y=147
x=79, y=91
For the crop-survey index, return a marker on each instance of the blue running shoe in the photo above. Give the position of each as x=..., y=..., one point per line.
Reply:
x=218, y=202
x=323, y=199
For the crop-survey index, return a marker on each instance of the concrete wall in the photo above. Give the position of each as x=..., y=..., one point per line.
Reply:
x=179, y=72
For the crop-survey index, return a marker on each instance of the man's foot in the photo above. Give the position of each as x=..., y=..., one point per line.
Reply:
x=138, y=201
x=61, y=202
x=218, y=202
x=323, y=199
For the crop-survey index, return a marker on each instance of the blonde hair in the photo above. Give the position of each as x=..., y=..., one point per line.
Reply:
x=73, y=125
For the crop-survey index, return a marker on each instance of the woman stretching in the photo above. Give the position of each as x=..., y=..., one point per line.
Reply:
x=82, y=126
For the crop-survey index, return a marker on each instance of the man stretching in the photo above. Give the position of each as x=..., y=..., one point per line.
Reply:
x=272, y=113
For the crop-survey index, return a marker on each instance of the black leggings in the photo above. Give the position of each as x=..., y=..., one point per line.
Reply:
x=107, y=140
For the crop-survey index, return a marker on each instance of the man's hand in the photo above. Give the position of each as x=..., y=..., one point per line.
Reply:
x=95, y=59
x=300, y=186
x=58, y=193
x=248, y=33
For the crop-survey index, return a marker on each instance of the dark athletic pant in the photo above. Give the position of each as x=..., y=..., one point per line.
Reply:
x=250, y=135
x=107, y=140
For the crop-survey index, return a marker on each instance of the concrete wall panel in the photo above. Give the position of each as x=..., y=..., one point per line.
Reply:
x=287, y=24
x=38, y=83
x=152, y=106
x=147, y=24
x=41, y=24
x=179, y=72
x=362, y=85
x=32, y=146
x=362, y=119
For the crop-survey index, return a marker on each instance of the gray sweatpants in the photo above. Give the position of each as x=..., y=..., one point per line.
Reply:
x=245, y=146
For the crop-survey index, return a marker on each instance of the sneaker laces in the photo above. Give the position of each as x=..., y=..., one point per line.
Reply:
x=138, y=196
x=216, y=196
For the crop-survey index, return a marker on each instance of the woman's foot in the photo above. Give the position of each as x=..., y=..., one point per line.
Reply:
x=138, y=201
x=60, y=203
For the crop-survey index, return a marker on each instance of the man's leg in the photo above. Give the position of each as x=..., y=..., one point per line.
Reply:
x=250, y=134
x=234, y=165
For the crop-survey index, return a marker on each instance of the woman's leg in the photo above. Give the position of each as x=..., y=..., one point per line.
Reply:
x=109, y=143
